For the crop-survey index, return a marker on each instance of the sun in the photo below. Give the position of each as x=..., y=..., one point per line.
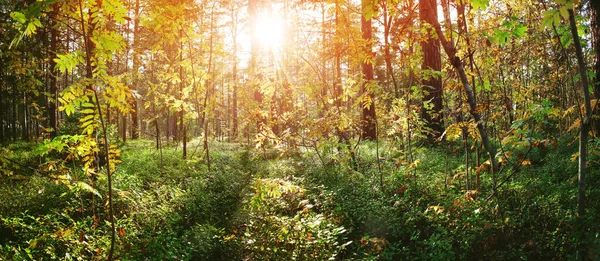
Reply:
x=269, y=29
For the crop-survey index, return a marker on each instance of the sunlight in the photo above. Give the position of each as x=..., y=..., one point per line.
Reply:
x=270, y=31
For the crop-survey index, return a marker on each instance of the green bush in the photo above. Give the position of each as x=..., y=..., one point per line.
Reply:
x=282, y=225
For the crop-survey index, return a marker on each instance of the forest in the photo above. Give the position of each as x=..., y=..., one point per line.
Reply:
x=299, y=130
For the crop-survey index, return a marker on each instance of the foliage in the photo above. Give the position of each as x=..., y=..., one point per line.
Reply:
x=258, y=150
x=283, y=225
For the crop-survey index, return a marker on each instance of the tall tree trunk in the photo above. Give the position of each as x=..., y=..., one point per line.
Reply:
x=431, y=61
x=209, y=85
x=24, y=122
x=323, y=58
x=595, y=28
x=14, y=129
x=583, y=132
x=181, y=84
x=368, y=118
x=135, y=130
x=337, y=85
x=89, y=50
x=234, y=113
x=52, y=100
x=2, y=79
x=458, y=65
x=124, y=127
x=387, y=23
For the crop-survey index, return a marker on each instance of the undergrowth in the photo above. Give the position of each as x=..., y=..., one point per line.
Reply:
x=262, y=205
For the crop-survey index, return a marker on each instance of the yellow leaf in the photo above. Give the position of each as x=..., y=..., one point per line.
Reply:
x=575, y=156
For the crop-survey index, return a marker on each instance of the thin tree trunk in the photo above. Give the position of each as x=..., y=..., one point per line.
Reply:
x=24, y=114
x=52, y=100
x=2, y=134
x=135, y=132
x=234, y=112
x=458, y=65
x=583, y=133
x=181, y=83
x=87, y=34
x=208, y=88
x=388, y=57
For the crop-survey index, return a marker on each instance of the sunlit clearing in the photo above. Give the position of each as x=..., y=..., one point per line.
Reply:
x=269, y=30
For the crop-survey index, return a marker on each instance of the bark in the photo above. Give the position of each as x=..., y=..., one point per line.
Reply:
x=181, y=83
x=2, y=134
x=52, y=100
x=234, y=113
x=323, y=57
x=431, y=61
x=595, y=30
x=368, y=118
x=583, y=132
x=337, y=88
x=14, y=130
x=387, y=20
x=89, y=50
x=24, y=119
x=135, y=133
x=459, y=67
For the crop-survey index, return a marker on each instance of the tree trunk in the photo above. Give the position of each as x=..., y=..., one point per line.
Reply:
x=14, y=129
x=124, y=127
x=89, y=50
x=583, y=133
x=234, y=113
x=23, y=119
x=431, y=61
x=2, y=135
x=135, y=130
x=181, y=83
x=337, y=85
x=387, y=20
x=368, y=118
x=52, y=100
x=595, y=30
x=458, y=65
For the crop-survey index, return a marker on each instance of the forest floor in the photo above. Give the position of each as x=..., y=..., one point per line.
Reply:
x=282, y=204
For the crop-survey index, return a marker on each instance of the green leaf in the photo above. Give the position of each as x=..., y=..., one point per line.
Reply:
x=87, y=111
x=67, y=62
x=501, y=36
x=548, y=18
x=519, y=31
x=19, y=17
x=564, y=12
x=30, y=29
x=480, y=4
x=88, y=105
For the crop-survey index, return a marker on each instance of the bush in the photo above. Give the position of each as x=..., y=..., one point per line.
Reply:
x=282, y=225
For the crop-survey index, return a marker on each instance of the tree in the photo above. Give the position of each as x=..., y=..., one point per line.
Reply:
x=53, y=99
x=585, y=119
x=368, y=116
x=595, y=30
x=431, y=66
x=458, y=65
x=234, y=33
x=135, y=128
